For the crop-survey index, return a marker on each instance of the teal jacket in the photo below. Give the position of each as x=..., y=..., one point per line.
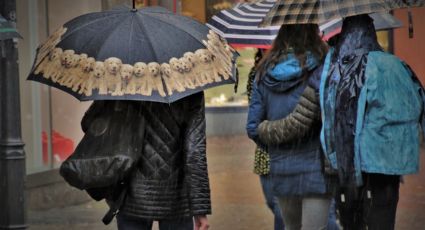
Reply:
x=389, y=115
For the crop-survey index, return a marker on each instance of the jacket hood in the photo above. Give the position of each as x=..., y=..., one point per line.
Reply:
x=357, y=35
x=288, y=73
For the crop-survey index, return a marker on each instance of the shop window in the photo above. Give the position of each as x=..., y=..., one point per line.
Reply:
x=50, y=117
x=225, y=95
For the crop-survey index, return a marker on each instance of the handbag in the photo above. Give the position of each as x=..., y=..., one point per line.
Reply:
x=261, y=161
x=110, y=147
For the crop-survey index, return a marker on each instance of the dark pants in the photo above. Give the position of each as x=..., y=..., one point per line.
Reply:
x=332, y=225
x=273, y=204
x=128, y=223
x=372, y=206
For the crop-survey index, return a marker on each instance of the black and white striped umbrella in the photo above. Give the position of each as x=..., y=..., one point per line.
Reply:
x=240, y=25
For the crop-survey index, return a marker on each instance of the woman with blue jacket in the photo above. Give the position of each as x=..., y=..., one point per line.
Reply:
x=284, y=119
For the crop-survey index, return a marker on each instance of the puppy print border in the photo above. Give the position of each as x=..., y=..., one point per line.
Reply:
x=86, y=76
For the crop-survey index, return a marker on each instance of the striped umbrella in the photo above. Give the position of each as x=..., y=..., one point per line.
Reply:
x=319, y=11
x=240, y=25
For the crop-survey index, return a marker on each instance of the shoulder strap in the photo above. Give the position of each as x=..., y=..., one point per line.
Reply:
x=114, y=208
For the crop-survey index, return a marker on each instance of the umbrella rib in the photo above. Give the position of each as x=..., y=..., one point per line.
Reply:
x=179, y=28
x=112, y=32
x=130, y=37
x=91, y=22
x=153, y=52
x=142, y=26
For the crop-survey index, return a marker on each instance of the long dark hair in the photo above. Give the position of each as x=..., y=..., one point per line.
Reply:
x=296, y=38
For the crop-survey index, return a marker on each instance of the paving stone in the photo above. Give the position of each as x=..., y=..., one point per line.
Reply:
x=237, y=199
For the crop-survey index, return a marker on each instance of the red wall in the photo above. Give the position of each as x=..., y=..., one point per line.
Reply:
x=411, y=50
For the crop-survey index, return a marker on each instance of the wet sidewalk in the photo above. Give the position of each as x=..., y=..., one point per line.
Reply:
x=237, y=199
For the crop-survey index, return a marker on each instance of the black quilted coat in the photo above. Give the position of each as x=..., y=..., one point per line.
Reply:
x=171, y=178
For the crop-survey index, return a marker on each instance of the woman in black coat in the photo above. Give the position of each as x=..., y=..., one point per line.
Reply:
x=170, y=182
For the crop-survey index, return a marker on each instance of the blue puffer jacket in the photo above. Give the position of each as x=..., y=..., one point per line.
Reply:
x=390, y=109
x=295, y=167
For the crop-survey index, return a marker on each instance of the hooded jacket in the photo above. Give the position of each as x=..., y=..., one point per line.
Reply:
x=389, y=105
x=294, y=166
x=171, y=177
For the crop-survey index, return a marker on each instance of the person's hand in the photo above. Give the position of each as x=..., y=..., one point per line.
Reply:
x=201, y=223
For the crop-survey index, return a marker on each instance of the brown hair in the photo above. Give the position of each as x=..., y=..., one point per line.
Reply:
x=296, y=38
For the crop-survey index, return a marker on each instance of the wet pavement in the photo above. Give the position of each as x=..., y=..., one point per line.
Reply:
x=237, y=200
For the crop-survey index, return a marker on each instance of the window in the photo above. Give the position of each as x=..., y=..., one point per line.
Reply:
x=50, y=117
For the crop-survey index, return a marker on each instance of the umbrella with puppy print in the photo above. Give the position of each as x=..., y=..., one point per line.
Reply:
x=150, y=54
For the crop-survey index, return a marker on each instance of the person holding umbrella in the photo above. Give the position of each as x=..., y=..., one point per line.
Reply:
x=284, y=119
x=144, y=147
x=373, y=105
x=262, y=158
x=169, y=184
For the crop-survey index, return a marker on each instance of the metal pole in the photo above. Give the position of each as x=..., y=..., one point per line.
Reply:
x=12, y=156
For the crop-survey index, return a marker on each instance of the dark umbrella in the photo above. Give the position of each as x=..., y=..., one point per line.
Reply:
x=7, y=30
x=319, y=11
x=127, y=54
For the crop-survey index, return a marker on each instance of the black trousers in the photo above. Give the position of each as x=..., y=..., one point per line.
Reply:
x=372, y=206
x=130, y=223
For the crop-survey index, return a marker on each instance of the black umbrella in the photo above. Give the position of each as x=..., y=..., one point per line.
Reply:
x=127, y=54
x=7, y=30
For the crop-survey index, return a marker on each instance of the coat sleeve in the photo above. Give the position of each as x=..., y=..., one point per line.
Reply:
x=421, y=92
x=297, y=124
x=256, y=114
x=196, y=159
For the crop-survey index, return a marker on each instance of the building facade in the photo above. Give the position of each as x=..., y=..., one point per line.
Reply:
x=51, y=118
x=411, y=50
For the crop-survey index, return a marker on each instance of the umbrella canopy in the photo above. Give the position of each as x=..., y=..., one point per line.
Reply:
x=381, y=21
x=7, y=30
x=240, y=25
x=127, y=54
x=319, y=11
